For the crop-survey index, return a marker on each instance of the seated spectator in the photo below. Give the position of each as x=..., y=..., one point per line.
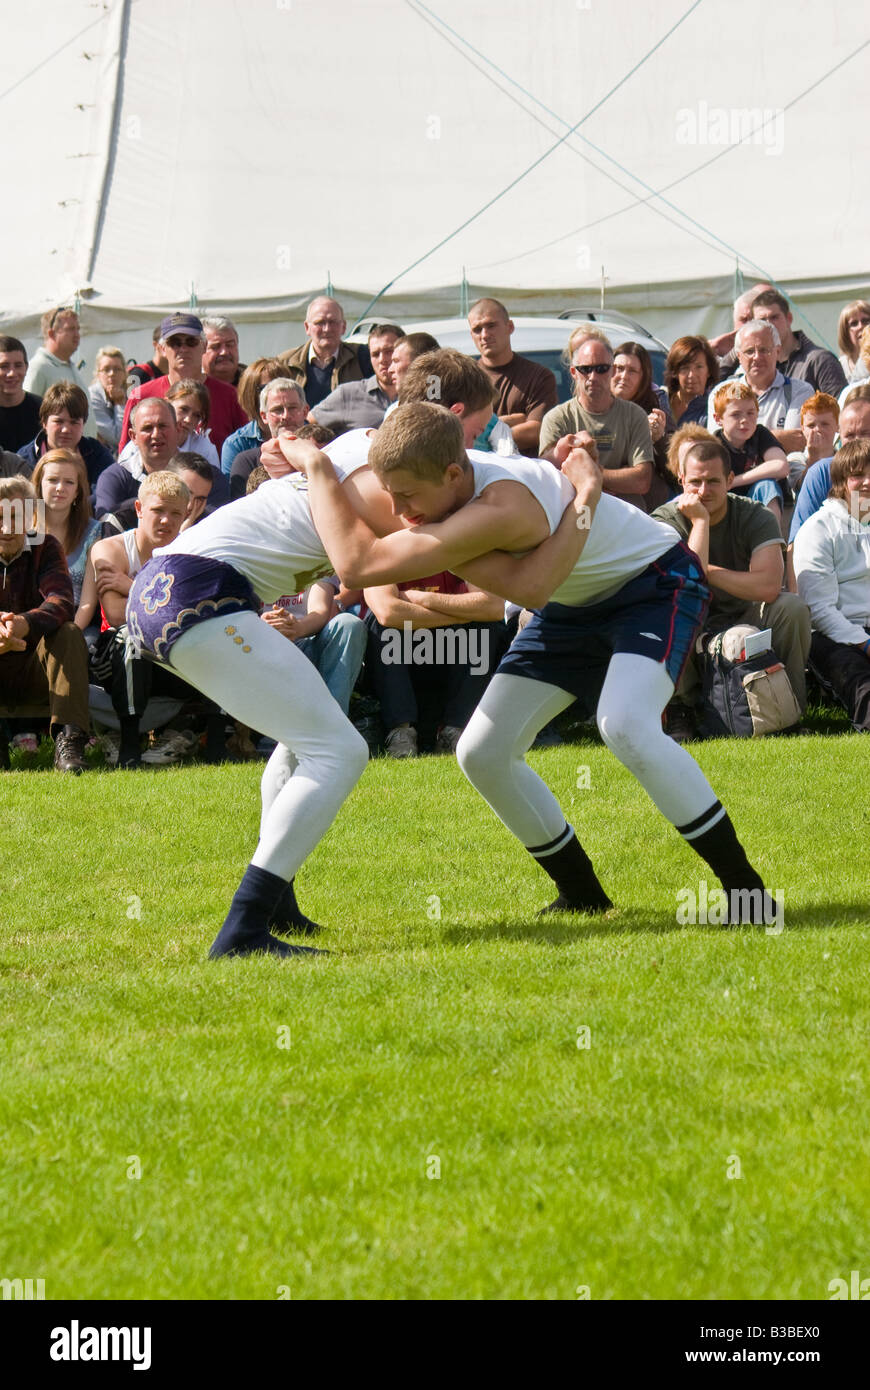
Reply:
x=741, y=548
x=108, y=396
x=162, y=508
x=141, y=372
x=63, y=415
x=61, y=481
x=779, y=397
x=52, y=363
x=406, y=676
x=524, y=390
x=852, y=387
x=192, y=405
x=853, y=320
x=620, y=428
x=819, y=417
x=757, y=461
x=252, y=381
x=363, y=404
x=832, y=566
x=854, y=424
x=43, y=657
x=183, y=343
x=679, y=445
x=632, y=381
x=19, y=409
x=198, y=477
x=221, y=357
x=691, y=372
x=798, y=358
x=282, y=410
x=323, y=361
x=156, y=443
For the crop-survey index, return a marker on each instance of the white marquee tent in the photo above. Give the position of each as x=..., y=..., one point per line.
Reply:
x=244, y=154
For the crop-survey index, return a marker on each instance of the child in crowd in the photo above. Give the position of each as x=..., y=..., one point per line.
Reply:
x=820, y=416
x=757, y=460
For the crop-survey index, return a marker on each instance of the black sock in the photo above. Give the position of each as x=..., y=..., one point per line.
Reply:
x=288, y=916
x=718, y=846
x=570, y=868
x=129, y=753
x=246, y=928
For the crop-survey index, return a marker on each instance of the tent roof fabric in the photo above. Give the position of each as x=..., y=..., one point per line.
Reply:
x=255, y=153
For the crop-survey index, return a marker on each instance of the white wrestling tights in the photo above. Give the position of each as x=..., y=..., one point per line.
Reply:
x=266, y=683
x=492, y=750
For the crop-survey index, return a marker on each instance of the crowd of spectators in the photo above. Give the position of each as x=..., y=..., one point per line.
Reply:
x=756, y=449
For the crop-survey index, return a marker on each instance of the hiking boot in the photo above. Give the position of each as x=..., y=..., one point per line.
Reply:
x=69, y=749
x=680, y=723
x=401, y=742
x=447, y=739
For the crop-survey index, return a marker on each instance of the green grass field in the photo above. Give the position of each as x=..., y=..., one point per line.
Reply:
x=418, y=1115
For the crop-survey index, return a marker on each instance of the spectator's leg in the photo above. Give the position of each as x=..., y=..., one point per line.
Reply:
x=390, y=678
x=846, y=670
x=788, y=618
x=63, y=656
x=466, y=681
x=337, y=651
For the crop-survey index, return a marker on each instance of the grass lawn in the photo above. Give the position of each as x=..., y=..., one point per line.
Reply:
x=460, y=1101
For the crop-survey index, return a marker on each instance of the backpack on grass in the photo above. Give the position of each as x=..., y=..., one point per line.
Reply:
x=745, y=697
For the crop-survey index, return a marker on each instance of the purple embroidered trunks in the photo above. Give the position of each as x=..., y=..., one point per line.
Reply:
x=173, y=592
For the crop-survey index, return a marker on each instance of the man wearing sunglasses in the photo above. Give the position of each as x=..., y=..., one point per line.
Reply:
x=620, y=428
x=182, y=343
x=53, y=362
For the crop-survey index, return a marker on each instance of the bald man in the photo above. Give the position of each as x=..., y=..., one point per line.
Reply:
x=323, y=361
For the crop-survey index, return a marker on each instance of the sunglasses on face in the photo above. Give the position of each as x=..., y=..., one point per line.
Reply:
x=587, y=368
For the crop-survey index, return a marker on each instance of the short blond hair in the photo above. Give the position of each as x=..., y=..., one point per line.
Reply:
x=165, y=484
x=732, y=391
x=17, y=486
x=692, y=431
x=423, y=438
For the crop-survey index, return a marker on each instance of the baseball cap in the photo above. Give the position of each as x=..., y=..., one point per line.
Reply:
x=180, y=323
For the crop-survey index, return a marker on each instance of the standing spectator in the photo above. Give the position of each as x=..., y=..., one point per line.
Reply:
x=524, y=391
x=405, y=351
x=249, y=435
x=43, y=657
x=183, y=343
x=60, y=480
x=853, y=320
x=61, y=335
x=819, y=418
x=63, y=416
x=363, y=404
x=19, y=409
x=798, y=357
x=632, y=381
x=832, y=566
x=108, y=396
x=620, y=428
x=691, y=372
x=221, y=357
x=141, y=372
x=779, y=397
x=324, y=361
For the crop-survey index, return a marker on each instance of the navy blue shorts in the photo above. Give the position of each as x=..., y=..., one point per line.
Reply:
x=658, y=615
x=173, y=592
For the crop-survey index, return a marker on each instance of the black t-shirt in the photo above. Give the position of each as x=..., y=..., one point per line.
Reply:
x=753, y=450
x=19, y=423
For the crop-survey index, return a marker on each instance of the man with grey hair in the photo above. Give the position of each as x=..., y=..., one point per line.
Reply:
x=221, y=356
x=779, y=397
x=282, y=409
x=61, y=334
x=323, y=361
x=723, y=346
